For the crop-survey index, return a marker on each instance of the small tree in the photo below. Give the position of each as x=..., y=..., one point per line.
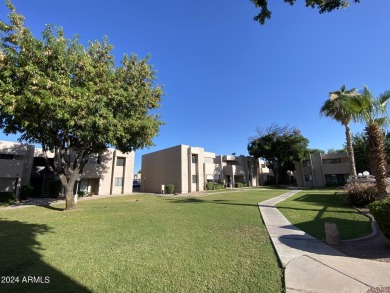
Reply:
x=73, y=100
x=280, y=147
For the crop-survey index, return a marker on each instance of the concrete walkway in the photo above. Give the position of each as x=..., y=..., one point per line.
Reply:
x=313, y=266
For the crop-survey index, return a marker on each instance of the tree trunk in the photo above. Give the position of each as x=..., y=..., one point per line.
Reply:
x=70, y=201
x=377, y=157
x=351, y=154
x=275, y=169
x=68, y=184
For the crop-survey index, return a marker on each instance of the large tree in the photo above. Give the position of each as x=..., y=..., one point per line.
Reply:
x=321, y=5
x=372, y=111
x=280, y=147
x=73, y=100
x=338, y=108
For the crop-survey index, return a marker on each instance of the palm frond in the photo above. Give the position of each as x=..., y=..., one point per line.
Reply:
x=337, y=107
x=383, y=100
x=383, y=121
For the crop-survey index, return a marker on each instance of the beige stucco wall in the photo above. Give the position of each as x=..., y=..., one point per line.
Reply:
x=20, y=166
x=212, y=167
x=168, y=166
x=196, y=169
x=174, y=166
x=108, y=171
x=7, y=184
x=11, y=168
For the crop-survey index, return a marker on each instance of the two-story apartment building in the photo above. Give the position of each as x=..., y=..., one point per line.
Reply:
x=189, y=168
x=320, y=170
x=21, y=164
x=108, y=173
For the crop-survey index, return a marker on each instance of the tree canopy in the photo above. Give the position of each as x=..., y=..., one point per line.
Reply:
x=280, y=147
x=321, y=5
x=338, y=108
x=73, y=100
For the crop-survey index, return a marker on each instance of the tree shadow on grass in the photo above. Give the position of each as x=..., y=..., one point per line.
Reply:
x=346, y=228
x=216, y=201
x=53, y=208
x=322, y=204
x=22, y=267
x=319, y=199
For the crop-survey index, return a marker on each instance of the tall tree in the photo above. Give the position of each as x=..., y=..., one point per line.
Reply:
x=280, y=147
x=372, y=111
x=321, y=5
x=73, y=100
x=338, y=108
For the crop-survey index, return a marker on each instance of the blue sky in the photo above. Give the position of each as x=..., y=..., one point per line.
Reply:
x=223, y=74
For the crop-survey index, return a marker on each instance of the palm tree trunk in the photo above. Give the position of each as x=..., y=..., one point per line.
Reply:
x=377, y=157
x=351, y=154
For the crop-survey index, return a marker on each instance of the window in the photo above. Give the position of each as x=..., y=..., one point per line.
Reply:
x=6, y=157
x=194, y=159
x=118, y=181
x=194, y=179
x=308, y=177
x=306, y=163
x=120, y=161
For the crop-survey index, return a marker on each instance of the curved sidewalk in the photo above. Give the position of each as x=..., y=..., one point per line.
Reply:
x=313, y=266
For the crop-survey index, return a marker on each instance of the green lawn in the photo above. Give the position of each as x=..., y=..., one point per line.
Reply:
x=142, y=243
x=310, y=209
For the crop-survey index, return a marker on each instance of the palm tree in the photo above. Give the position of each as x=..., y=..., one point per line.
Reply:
x=367, y=109
x=338, y=108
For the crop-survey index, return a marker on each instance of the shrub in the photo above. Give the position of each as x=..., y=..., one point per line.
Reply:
x=214, y=186
x=7, y=197
x=218, y=186
x=381, y=212
x=80, y=193
x=26, y=191
x=209, y=186
x=169, y=188
x=360, y=193
x=239, y=184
